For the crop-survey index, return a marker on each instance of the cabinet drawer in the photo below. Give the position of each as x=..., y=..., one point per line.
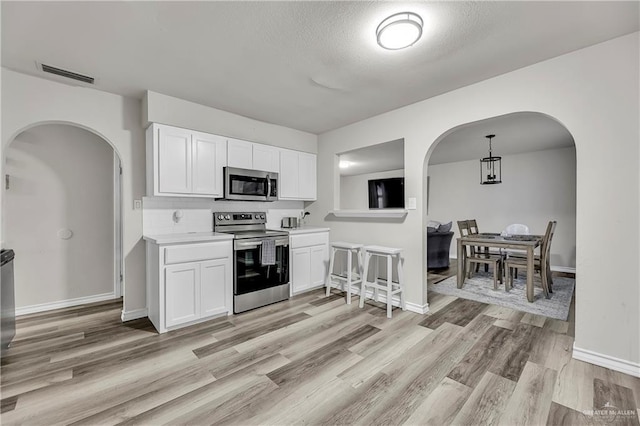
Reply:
x=196, y=252
x=308, y=240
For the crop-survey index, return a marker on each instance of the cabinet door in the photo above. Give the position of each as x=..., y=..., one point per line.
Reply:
x=174, y=160
x=289, y=185
x=319, y=264
x=208, y=159
x=300, y=269
x=182, y=294
x=307, y=176
x=239, y=154
x=215, y=287
x=266, y=158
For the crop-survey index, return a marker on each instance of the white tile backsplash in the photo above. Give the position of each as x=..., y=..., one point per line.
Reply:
x=197, y=213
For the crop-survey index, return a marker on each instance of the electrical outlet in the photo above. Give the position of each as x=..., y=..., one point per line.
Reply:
x=137, y=204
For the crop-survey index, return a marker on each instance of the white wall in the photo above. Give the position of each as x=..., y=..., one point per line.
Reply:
x=536, y=187
x=197, y=213
x=28, y=101
x=354, y=190
x=594, y=93
x=47, y=194
x=159, y=108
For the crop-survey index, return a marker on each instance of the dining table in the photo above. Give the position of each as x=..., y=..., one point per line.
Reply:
x=527, y=243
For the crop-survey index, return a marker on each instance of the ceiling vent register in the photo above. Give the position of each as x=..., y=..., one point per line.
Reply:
x=68, y=74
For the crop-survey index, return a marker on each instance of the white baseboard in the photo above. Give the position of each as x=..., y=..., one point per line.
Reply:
x=64, y=304
x=134, y=314
x=606, y=361
x=418, y=309
x=566, y=269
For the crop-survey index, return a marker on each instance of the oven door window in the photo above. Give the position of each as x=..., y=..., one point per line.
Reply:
x=247, y=185
x=251, y=275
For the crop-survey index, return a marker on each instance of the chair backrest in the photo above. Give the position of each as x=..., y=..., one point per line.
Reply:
x=516, y=229
x=469, y=227
x=545, y=248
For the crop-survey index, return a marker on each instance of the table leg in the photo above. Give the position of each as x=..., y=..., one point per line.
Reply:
x=530, y=274
x=461, y=263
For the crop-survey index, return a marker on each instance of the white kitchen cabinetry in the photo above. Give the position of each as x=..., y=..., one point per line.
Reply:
x=188, y=283
x=297, y=175
x=184, y=163
x=309, y=260
x=254, y=156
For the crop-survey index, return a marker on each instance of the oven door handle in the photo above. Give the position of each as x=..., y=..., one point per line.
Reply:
x=246, y=245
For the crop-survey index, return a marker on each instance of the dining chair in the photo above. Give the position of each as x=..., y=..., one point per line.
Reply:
x=470, y=227
x=540, y=263
x=478, y=255
x=515, y=229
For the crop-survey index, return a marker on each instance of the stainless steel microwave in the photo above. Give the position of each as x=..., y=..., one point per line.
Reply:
x=250, y=185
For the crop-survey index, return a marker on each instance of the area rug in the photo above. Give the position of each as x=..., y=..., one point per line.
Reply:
x=480, y=289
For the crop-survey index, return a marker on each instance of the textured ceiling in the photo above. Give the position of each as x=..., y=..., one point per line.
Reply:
x=313, y=66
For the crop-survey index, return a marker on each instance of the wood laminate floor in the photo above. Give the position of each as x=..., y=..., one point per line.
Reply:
x=309, y=360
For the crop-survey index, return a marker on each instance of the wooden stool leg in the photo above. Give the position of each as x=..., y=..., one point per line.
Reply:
x=363, y=285
x=349, y=266
x=328, y=280
x=495, y=277
x=403, y=304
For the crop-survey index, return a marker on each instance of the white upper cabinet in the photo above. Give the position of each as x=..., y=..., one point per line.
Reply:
x=184, y=162
x=207, y=159
x=239, y=154
x=266, y=157
x=254, y=156
x=174, y=161
x=297, y=175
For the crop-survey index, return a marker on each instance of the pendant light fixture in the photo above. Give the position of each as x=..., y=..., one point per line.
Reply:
x=490, y=167
x=399, y=30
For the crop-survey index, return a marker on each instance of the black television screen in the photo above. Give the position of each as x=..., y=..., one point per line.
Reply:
x=386, y=193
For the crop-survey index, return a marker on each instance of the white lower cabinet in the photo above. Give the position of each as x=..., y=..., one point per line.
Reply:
x=188, y=283
x=309, y=261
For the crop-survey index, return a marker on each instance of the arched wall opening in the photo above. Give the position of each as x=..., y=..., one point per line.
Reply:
x=62, y=213
x=538, y=180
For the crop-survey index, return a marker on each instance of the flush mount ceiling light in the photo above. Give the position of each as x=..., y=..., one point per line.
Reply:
x=399, y=30
x=345, y=164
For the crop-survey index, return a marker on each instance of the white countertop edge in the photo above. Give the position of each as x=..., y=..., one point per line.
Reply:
x=302, y=230
x=193, y=237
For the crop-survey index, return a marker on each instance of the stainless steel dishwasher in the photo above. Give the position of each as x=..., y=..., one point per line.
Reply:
x=7, y=300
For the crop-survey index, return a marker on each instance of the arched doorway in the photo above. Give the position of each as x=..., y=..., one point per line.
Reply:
x=538, y=181
x=62, y=216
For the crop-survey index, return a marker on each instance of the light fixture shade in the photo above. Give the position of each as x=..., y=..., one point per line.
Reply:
x=490, y=167
x=399, y=30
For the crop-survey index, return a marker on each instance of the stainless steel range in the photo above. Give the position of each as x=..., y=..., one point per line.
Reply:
x=260, y=259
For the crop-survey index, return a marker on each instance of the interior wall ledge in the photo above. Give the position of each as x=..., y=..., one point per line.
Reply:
x=382, y=213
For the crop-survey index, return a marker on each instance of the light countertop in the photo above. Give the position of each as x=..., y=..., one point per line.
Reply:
x=189, y=237
x=303, y=230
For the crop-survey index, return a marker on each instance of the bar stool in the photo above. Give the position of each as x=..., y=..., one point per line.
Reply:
x=388, y=253
x=350, y=249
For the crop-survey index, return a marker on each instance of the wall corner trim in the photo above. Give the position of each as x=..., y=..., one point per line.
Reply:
x=32, y=309
x=134, y=314
x=606, y=361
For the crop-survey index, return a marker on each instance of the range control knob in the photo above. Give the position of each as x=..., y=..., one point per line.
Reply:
x=220, y=217
x=228, y=217
x=257, y=216
x=261, y=216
